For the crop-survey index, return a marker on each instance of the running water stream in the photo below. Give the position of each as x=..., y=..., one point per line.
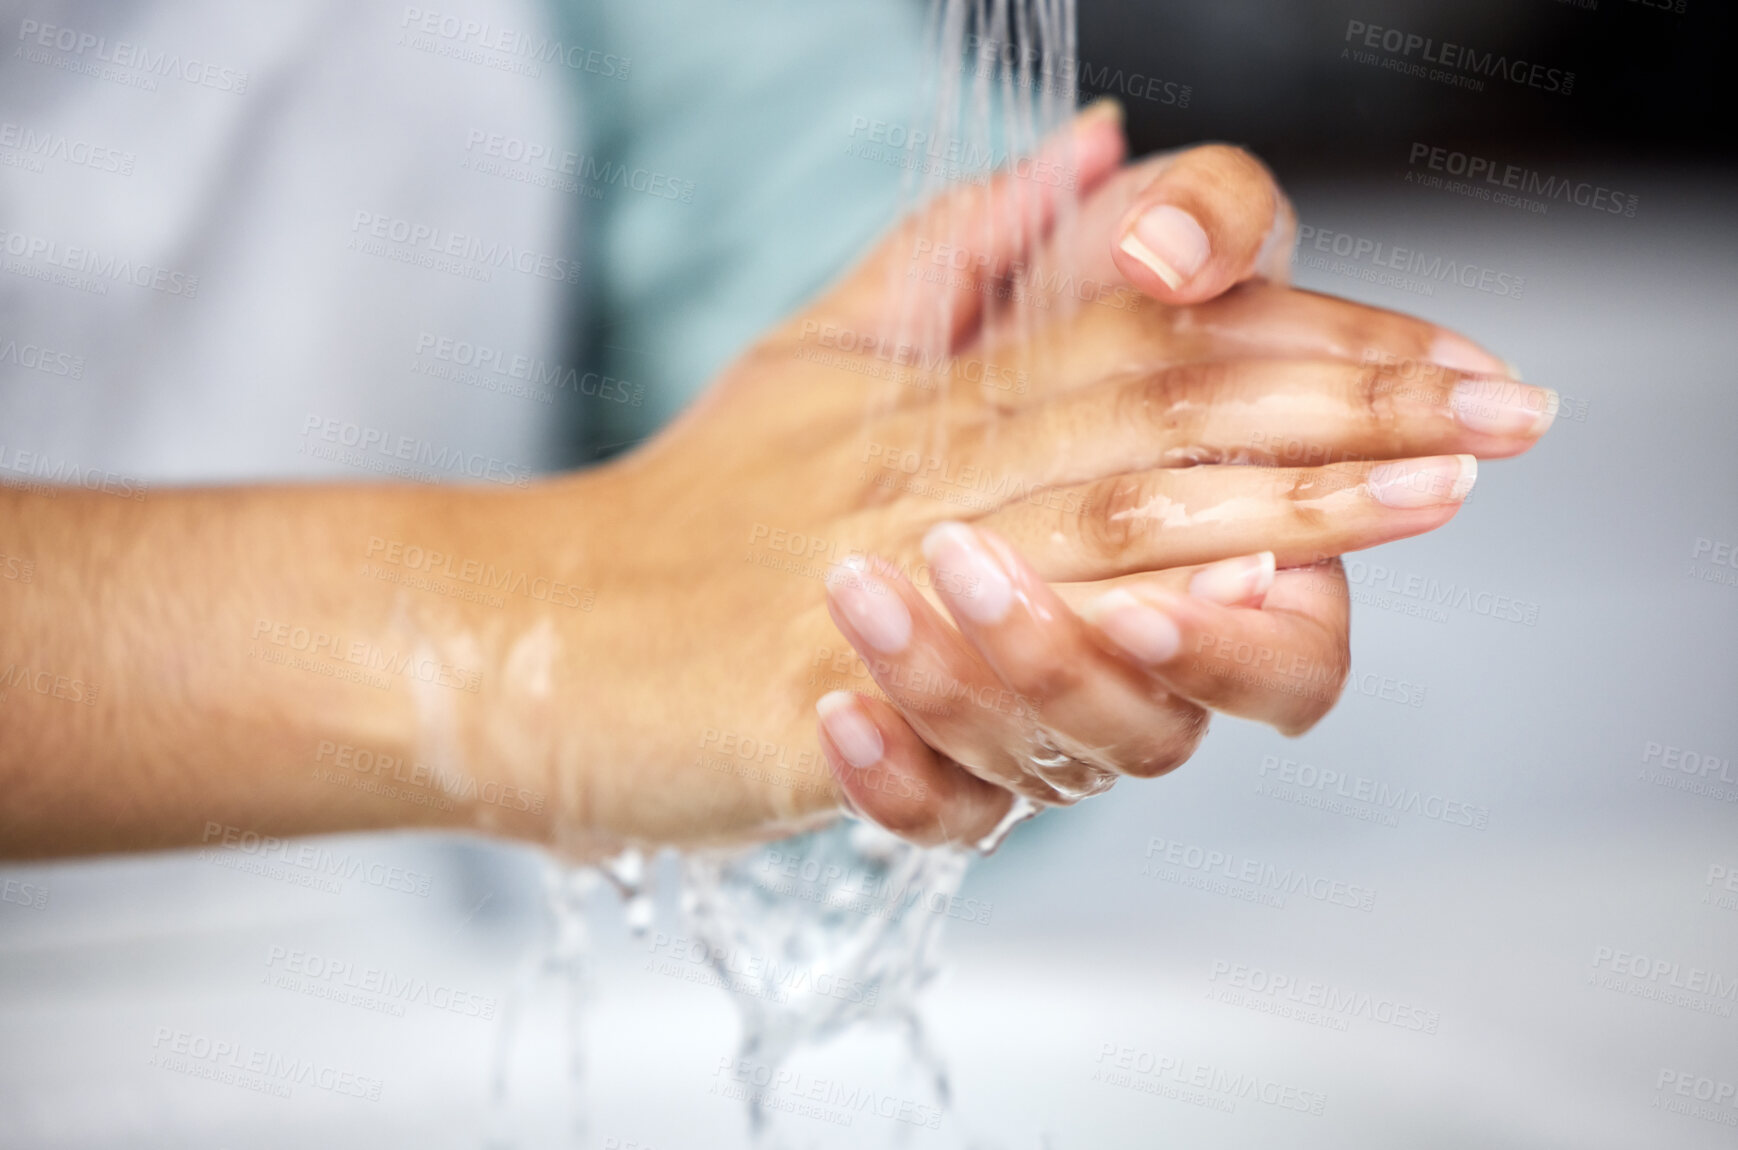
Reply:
x=838, y=931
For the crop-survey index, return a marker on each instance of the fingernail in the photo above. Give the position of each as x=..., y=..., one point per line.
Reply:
x=1170, y=242
x=1462, y=354
x=1138, y=628
x=966, y=574
x=1103, y=108
x=873, y=608
x=1413, y=483
x=1514, y=370
x=852, y=733
x=1503, y=407
x=1232, y=581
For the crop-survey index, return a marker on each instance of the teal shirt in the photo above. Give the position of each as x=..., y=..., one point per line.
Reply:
x=747, y=124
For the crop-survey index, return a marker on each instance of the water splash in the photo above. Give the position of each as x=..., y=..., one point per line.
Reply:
x=838, y=930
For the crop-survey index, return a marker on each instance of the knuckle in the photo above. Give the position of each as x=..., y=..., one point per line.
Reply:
x=914, y=822
x=1375, y=403
x=1241, y=173
x=1159, y=402
x=1113, y=522
x=1176, y=748
x=1043, y=677
x=1302, y=494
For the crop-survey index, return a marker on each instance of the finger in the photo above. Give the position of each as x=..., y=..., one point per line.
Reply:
x=1255, y=320
x=1092, y=708
x=937, y=681
x=985, y=228
x=1264, y=411
x=1084, y=257
x=1177, y=516
x=1294, y=323
x=1212, y=217
x=1282, y=663
x=893, y=778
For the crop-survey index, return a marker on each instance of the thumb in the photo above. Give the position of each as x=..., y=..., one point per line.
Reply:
x=1207, y=219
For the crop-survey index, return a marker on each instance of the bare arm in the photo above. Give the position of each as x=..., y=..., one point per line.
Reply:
x=227, y=656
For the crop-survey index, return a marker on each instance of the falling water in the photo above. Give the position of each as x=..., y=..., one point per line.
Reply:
x=841, y=926
x=852, y=906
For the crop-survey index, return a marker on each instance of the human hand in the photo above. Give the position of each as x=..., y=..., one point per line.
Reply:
x=1093, y=443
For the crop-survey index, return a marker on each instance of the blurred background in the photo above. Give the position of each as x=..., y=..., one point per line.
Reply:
x=1512, y=916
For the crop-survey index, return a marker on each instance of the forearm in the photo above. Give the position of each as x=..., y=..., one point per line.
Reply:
x=281, y=660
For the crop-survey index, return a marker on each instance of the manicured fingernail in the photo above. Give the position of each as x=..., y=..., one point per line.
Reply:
x=852, y=733
x=1170, y=242
x=1413, y=483
x=1462, y=354
x=1503, y=407
x=873, y=608
x=1139, y=628
x=966, y=574
x=1232, y=581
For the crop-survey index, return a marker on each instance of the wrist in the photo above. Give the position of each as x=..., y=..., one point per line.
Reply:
x=516, y=743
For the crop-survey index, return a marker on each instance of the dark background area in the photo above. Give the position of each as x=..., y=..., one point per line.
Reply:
x=1268, y=74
